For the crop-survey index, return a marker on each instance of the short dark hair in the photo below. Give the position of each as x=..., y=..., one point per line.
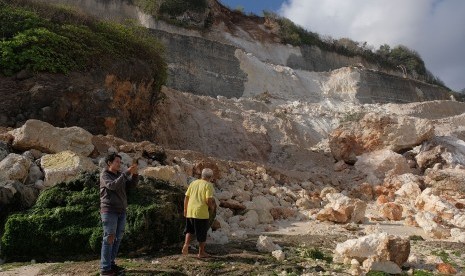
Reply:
x=111, y=157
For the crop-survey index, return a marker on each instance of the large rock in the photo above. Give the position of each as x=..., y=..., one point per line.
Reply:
x=457, y=235
x=279, y=255
x=282, y=213
x=437, y=205
x=262, y=206
x=306, y=204
x=446, y=181
x=232, y=204
x=427, y=221
x=384, y=266
x=266, y=244
x=342, y=209
x=64, y=166
x=397, y=181
x=15, y=167
x=250, y=219
x=35, y=174
x=363, y=191
x=391, y=211
x=443, y=210
x=35, y=134
x=446, y=150
x=14, y=197
x=14, y=193
x=378, y=164
x=446, y=269
x=408, y=192
x=380, y=251
x=172, y=174
x=5, y=149
x=378, y=131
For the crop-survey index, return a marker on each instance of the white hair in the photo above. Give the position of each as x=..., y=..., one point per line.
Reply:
x=207, y=173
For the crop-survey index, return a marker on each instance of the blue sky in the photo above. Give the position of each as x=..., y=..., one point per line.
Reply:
x=433, y=28
x=255, y=6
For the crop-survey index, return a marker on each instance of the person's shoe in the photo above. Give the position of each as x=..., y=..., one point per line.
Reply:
x=117, y=268
x=110, y=272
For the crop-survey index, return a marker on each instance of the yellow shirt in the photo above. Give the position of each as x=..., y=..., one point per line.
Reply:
x=198, y=192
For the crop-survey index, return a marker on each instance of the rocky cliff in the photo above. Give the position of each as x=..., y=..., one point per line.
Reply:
x=206, y=62
x=116, y=102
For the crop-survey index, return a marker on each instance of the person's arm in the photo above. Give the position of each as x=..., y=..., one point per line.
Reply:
x=186, y=203
x=112, y=184
x=133, y=178
x=210, y=197
x=186, y=200
x=211, y=204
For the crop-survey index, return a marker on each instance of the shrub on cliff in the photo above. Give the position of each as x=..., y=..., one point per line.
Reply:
x=183, y=13
x=44, y=38
x=65, y=221
x=171, y=7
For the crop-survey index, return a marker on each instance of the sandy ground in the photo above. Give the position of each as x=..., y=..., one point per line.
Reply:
x=31, y=269
x=240, y=257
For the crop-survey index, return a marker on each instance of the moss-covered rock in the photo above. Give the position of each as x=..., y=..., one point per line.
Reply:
x=65, y=221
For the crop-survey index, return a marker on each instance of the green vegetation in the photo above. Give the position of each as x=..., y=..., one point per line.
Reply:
x=215, y=265
x=385, y=57
x=422, y=273
x=377, y=273
x=316, y=254
x=44, y=38
x=171, y=7
x=445, y=257
x=416, y=238
x=352, y=117
x=65, y=222
x=168, y=10
x=9, y=266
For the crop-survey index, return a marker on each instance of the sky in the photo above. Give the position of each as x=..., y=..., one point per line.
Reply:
x=433, y=28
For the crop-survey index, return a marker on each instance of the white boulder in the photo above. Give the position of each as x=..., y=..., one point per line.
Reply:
x=266, y=244
x=35, y=134
x=64, y=166
x=15, y=167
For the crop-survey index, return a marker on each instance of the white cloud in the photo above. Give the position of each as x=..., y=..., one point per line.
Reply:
x=434, y=28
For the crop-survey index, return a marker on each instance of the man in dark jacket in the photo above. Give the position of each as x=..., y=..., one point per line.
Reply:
x=113, y=203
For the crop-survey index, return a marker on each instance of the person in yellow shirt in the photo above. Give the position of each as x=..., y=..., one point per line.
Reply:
x=198, y=202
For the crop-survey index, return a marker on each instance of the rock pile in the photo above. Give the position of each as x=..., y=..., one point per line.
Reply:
x=388, y=169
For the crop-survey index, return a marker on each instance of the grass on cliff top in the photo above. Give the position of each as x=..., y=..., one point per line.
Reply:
x=172, y=12
x=159, y=8
x=44, y=38
x=65, y=221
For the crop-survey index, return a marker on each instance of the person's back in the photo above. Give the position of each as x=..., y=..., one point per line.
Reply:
x=197, y=202
x=199, y=191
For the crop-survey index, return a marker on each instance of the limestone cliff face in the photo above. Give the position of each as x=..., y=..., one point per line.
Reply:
x=208, y=63
x=202, y=66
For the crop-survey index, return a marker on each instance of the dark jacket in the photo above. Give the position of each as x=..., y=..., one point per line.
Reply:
x=113, y=187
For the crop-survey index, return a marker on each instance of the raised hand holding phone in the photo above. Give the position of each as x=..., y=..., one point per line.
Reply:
x=134, y=167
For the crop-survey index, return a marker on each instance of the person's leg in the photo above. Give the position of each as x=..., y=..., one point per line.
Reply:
x=119, y=236
x=187, y=241
x=202, y=253
x=109, y=221
x=201, y=229
x=188, y=231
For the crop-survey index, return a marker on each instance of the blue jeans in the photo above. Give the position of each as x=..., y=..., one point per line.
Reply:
x=113, y=227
